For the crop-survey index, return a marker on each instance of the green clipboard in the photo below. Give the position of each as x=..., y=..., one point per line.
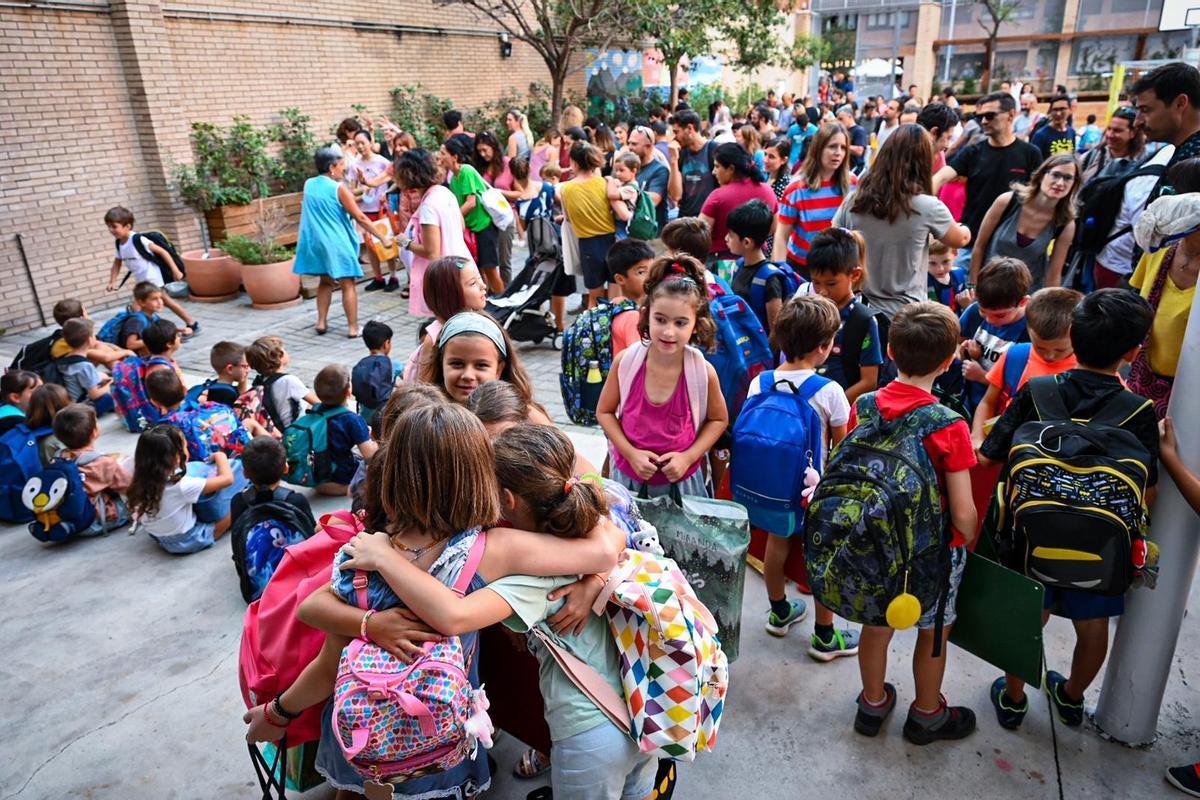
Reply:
x=1000, y=618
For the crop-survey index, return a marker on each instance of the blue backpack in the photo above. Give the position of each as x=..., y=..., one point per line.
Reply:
x=776, y=437
x=20, y=460
x=58, y=502
x=741, y=351
x=111, y=331
x=1015, y=362
x=588, y=339
x=267, y=526
x=758, y=286
x=372, y=381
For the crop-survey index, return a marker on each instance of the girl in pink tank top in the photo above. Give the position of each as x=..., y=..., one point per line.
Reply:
x=661, y=406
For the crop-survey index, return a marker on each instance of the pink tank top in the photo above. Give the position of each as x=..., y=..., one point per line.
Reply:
x=666, y=428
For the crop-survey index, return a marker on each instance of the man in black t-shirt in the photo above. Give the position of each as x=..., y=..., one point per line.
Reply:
x=692, y=179
x=858, y=138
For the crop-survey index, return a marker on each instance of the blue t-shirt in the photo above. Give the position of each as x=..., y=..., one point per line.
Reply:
x=1053, y=142
x=869, y=352
x=797, y=133
x=994, y=341
x=133, y=325
x=653, y=177
x=944, y=292
x=345, y=431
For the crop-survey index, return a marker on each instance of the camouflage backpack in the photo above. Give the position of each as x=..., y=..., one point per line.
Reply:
x=588, y=339
x=876, y=527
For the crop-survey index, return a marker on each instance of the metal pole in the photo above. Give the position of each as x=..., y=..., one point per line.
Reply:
x=1144, y=647
x=895, y=52
x=37, y=301
x=950, y=36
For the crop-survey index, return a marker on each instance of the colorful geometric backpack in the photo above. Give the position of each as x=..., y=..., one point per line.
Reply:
x=129, y=391
x=397, y=721
x=588, y=339
x=261, y=534
x=208, y=428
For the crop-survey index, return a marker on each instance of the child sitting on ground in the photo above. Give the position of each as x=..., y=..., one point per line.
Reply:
x=145, y=260
x=749, y=225
x=1107, y=328
x=163, y=338
x=163, y=497
x=1048, y=352
x=263, y=462
x=147, y=302
x=347, y=430
x=103, y=354
x=993, y=323
x=44, y=404
x=16, y=389
x=947, y=285
x=206, y=427
x=105, y=478
x=628, y=264
x=80, y=377
x=374, y=376
x=282, y=393
x=228, y=360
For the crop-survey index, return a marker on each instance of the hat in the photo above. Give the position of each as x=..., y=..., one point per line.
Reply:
x=1166, y=220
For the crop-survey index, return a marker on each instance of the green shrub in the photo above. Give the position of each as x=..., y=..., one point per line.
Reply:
x=251, y=251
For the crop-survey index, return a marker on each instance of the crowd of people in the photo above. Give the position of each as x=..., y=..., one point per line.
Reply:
x=921, y=277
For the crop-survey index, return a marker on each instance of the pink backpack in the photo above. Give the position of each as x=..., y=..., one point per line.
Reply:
x=276, y=647
x=398, y=721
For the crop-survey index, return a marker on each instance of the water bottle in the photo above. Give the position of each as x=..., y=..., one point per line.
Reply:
x=592, y=385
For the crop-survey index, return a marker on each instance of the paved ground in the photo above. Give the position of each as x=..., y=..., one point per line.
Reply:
x=120, y=668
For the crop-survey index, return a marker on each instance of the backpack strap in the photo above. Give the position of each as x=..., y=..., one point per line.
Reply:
x=632, y=360
x=588, y=681
x=758, y=287
x=1015, y=362
x=858, y=323
x=86, y=457
x=1047, y=399
x=1122, y=408
x=268, y=401
x=695, y=373
x=472, y=565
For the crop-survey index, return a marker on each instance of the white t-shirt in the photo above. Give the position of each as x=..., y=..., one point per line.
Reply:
x=283, y=392
x=175, y=513
x=829, y=402
x=372, y=168
x=141, y=268
x=1117, y=255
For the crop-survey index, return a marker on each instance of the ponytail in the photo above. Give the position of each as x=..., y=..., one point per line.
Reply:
x=537, y=463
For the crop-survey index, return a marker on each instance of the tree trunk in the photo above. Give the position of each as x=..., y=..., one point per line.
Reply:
x=989, y=59
x=673, y=96
x=557, y=81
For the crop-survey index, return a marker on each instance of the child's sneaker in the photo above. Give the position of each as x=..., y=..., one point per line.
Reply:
x=948, y=722
x=842, y=643
x=1010, y=715
x=778, y=626
x=870, y=718
x=1185, y=779
x=374, y=285
x=1069, y=711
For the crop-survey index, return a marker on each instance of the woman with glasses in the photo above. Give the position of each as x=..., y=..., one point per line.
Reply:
x=1034, y=222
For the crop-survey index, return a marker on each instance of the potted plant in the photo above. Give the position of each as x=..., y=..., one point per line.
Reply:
x=213, y=275
x=266, y=265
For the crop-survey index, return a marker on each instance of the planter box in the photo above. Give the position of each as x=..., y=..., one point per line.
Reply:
x=229, y=220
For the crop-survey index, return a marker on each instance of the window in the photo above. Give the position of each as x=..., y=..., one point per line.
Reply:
x=887, y=21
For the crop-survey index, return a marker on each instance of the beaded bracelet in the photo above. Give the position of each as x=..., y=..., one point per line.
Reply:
x=362, y=628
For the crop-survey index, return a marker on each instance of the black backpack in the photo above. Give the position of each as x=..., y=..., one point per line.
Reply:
x=159, y=238
x=258, y=537
x=35, y=357
x=1099, y=204
x=858, y=322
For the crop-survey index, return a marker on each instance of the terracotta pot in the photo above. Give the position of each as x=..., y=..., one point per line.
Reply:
x=271, y=285
x=212, y=279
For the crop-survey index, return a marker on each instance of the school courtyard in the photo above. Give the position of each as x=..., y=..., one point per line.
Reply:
x=120, y=663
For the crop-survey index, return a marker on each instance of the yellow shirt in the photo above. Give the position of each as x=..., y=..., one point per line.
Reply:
x=1171, y=319
x=587, y=206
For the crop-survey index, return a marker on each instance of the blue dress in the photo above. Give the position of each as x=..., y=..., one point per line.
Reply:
x=328, y=243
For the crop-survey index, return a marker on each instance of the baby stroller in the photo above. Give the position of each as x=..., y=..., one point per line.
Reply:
x=519, y=308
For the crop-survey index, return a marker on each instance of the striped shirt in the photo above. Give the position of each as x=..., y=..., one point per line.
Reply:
x=808, y=213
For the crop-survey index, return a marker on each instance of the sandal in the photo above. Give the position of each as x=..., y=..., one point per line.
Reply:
x=321, y=331
x=531, y=764
x=404, y=293
x=541, y=793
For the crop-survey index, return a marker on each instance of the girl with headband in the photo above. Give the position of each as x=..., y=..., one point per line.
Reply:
x=471, y=351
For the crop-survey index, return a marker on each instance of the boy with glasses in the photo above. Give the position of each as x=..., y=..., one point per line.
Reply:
x=1057, y=136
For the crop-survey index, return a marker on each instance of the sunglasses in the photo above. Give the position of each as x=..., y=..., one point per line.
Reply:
x=987, y=116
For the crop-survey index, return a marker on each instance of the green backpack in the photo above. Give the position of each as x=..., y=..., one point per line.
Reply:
x=306, y=440
x=876, y=527
x=644, y=222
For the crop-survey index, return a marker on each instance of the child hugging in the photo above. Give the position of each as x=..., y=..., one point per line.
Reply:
x=661, y=406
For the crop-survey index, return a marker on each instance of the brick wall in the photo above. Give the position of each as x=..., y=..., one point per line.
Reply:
x=95, y=105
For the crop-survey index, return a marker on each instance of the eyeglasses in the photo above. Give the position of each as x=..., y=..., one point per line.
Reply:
x=987, y=116
x=1060, y=109
x=1061, y=177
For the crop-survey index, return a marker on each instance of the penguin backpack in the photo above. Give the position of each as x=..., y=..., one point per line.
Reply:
x=60, y=505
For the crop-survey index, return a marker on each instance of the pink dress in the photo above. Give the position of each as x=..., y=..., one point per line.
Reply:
x=438, y=207
x=666, y=428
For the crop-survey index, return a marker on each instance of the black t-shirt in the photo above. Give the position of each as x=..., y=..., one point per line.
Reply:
x=775, y=288
x=698, y=179
x=1084, y=394
x=859, y=138
x=990, y=172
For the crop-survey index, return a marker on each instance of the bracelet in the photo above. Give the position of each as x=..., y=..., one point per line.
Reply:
x=276, y=709
x=362, y=628
x=603, y=582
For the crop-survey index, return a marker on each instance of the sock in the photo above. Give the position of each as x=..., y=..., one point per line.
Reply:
x=824, y=633
x=781, y=607
x=928, y=719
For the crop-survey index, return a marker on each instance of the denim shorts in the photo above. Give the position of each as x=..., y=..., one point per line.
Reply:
x=198, y=538
x=958, y=562
x=593, y=252
x=601, y=764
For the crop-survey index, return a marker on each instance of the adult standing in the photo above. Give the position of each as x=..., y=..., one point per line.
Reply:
x=1028, y=221
x=571, y=117
x=1027, y=121
x=990, y=165
x=468, y=187
x=328, y=244
x=691, y=162
x=585, y=203
x=545, y=152
x=895, y=210
x=367, y=178
x=740, y=182
x=1167, y=100
x=813, y=198
x=797, y=134
x=859, y=139
x=436, y=229
x=493, y=167
x=535, y=199
x=453, y=120
x=520, y=137
x=1057, y=135
x=890, y=120
x=654, y=175
x=1120, y=150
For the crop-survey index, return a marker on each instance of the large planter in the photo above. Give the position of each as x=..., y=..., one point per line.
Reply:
x=229, y=220
x=271, y=285
x=213, y=279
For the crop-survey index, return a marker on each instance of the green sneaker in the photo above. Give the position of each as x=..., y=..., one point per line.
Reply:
x=778, y=626
x=842, y=643
x=1069, y=711
x=1010, y=715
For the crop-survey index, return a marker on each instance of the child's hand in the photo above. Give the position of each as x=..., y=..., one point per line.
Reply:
x=398, y=631
x=1168, y=446
x=644, y=464
x=570, y=619
x=971, y=349
x=219, y=458
x=965, y=298
x=674, y=466
x=368, y=551
x=261, y=729
x=972, y=371
x=112, y=287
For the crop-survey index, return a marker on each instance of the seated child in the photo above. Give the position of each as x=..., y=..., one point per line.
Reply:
x=346, y=431
x=374, y=376
x=196, y=421
x=105, y=478
x=1048, y=352
x=749, y=225
x=947, y=285
x=628, y=264
x=145, y=260
x=623, y=190
x=80, y=377
x=1107, y=328
x=282, y=393
x=228, y=360
x=162, y=338
x=263, y=462
x=44, y=404
x=163, y=496
x=993, y=323
x=103, y=354
x=147, y=302
x=16, y=389
x=922, y=342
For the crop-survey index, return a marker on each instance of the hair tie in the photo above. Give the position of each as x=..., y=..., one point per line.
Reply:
x=473, y=322
x=569, y=485
x=678, y=268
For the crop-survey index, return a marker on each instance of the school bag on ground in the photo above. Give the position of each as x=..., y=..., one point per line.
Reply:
x=61, y=507
x=875, y=527
x=261, y=534
x=306, y=440
x=588, y=339
x=371, y=381
x=742, y=350
x=776, y=438
x=159, y=238
x=110, y=331
x=1072, y=496
x=401, y=721
x=20, y=460
x=644, y=222
x=129, y=391
x=35, y=357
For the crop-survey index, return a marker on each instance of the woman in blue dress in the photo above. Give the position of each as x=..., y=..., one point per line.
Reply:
x=328, y=243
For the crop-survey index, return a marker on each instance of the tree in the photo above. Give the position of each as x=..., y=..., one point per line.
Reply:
x=678, y=29
x=1000, y=12
x=756, y=30
x=555, y=29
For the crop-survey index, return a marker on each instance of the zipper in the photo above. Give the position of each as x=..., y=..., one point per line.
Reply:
x=1073, y=509
x=1133, y=461
x=352, y=675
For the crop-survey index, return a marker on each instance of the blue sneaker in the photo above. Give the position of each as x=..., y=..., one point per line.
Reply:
x=778, y=626
x=1010, y=715
x=1069, y=711
x=842, y=643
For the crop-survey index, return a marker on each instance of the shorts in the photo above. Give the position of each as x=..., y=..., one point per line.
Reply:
x=958, y=562
x=1082, y=605
x=601, y=764
x=487, y=247
x=564, y=285
x=593, y=253
x=200, y=537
